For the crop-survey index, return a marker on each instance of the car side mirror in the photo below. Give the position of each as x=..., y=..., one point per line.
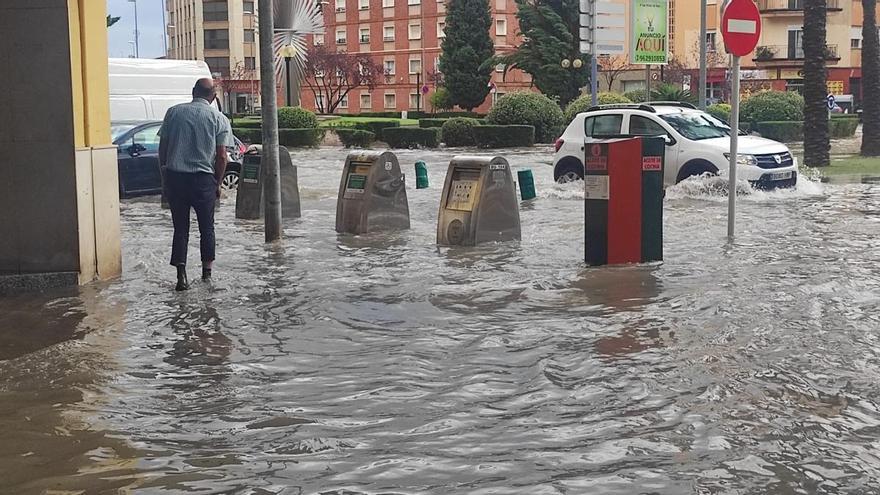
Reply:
x=669, y=140
x=136, y=149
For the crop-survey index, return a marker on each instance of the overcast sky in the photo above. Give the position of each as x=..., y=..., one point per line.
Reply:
x=149, y=23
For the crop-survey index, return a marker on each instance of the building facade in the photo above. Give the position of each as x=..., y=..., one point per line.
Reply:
x=405, y=37
x=223, y=33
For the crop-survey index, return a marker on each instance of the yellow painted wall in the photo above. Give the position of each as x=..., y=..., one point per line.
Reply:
x=89, y=71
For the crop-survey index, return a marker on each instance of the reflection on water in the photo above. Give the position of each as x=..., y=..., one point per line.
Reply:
x=384, y=364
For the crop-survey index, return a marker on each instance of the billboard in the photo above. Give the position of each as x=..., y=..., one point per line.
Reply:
x=650, y=32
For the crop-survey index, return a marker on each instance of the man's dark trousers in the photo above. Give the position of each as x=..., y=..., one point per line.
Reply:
x=199, y=192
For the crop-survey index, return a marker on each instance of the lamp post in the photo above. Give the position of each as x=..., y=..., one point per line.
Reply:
x=137, y=52
x=288, y=52
x=574, y=64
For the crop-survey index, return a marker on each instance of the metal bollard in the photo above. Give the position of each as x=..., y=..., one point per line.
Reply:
x=421, y=175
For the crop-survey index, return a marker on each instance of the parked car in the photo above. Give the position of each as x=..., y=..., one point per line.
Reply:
x=138, y=157
x=696, y=144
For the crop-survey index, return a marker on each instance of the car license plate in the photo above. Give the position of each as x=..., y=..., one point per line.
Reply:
x=781, y=175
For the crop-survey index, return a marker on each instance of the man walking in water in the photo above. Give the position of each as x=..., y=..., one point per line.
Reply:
x=192, y=156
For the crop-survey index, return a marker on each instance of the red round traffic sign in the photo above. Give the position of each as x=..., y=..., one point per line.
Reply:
x=741, y=27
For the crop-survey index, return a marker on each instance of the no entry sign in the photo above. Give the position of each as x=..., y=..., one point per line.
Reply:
x=741, y=27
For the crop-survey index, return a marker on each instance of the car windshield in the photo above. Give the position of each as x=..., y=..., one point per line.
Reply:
x=697, y=125
x=117, y=130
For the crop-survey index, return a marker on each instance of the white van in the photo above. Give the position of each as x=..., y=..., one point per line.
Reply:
x=144, y=89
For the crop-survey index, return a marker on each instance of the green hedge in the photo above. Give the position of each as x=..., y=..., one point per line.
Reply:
x=582, y=103
x=411, y=137
x=458, y=131
x=248, y=124
x=377, y=127
x=720, y=111
x=772, y=106
x=386, y=115
x=425, y=123
x=843, y=127
x=355, y=138
x=527, y=108
x=292, y=138
x=247, y=135
x=784, y=131
x=296, y=118
x=450, y=115
x=504, y=136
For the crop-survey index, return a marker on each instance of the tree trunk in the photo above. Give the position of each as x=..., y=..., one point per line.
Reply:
x=870, y=81
x=816, y=138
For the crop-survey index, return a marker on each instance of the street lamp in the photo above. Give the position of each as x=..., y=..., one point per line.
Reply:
x=137, y=52
x=288, y=52
x=576, y=63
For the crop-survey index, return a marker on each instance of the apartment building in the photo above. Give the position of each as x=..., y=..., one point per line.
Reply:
x=223, y=34
x=405, y=37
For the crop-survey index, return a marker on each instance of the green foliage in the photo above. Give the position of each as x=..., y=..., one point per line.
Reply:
x=299, y=138
x=843, y=127
x=411, y=137
x=772, y=106
x=449, y=115
x=296, y=118
x=384, y=115
x=550, y=35
x=504, y=136
x=720, y=111
x=432, y=122
x=636, y=96
x=783, y=131
x=248, y=135
x=354, y=138
x=466, y=49
x=584, y=102
x=377, y=127
x=671, y=92
x=248, y=124
x=527, y=108
x=440, y=99
x=459, y=131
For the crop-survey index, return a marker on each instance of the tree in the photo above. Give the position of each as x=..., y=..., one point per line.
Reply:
x=870, y=81
x=550, y=29
x=467, y=48
x=112, y=20
x=331, y=75
x=816, y=137
x=612, y=67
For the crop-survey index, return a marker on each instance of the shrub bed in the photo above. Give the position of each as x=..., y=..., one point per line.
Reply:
x=772, y=106
x=459, y=131
x=386, y=115
x=247, y=135
x=504, y=136
x=296, y=118
x=300, y=138
x=527, y=108
x=720, y=111
x=843, y=127
x=435, y=122
x=377, y=127
x=355, y=138
x=582, y=103
x=248, y=124
x=784, y=131
x=411, y=137
x=636, y=95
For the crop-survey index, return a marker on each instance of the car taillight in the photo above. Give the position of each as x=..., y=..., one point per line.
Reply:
x=559, y=143
x=242, y=148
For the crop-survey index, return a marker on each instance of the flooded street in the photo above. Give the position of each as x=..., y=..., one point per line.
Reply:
x=382, y=364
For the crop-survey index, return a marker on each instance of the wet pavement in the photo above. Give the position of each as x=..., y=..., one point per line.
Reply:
x=383, y=364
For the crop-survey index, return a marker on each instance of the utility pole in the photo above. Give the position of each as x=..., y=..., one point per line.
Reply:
x=703, y=47
x=271, y=175
x=137, y=51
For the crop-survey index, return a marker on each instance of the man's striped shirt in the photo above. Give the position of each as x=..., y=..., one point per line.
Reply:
x=192, y=131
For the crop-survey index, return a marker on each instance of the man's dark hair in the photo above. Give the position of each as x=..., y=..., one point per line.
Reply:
x=203, y=89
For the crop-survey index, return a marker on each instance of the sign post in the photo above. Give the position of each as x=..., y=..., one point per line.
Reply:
x=649, y=36
x=741, y=29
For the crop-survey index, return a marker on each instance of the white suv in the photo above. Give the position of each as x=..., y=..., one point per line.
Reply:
x=696, y=144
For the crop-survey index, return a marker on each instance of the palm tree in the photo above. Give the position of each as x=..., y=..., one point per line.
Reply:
x=870, y=80
x=816, y=138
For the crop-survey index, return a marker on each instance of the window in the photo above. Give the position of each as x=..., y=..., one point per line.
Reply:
x=643, y=126
x=216, y=39
x=413, y=2
x=415, y=102
x=366, y=101
x=364, y=35
x=249, y=36
x=364, y=4
x=340, y=6
x=319, y=101
x=388, y=33
x=319, y=39
x=215, y=10
x=250, y=63
x=387, y=3
x=148, y=138
x=796, y=43
x=415, y=65
x=501, y=27
x=340, y=36
x=714, y=91
x=389, y=67
x=855, y=36
x=218, y=64
x=603, y=125
x=415, y=31
x=499, y=68
x=633, y=85
x=441, y=29
x=710, y=41
x=248, y=8
x=390, y=100
x=343, y=103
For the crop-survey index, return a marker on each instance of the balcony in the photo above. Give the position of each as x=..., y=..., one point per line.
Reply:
x=388, y=39
x=340, y=41
x=792, y=7
x=788, y=55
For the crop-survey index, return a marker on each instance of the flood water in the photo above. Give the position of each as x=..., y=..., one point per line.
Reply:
x=383, y=364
